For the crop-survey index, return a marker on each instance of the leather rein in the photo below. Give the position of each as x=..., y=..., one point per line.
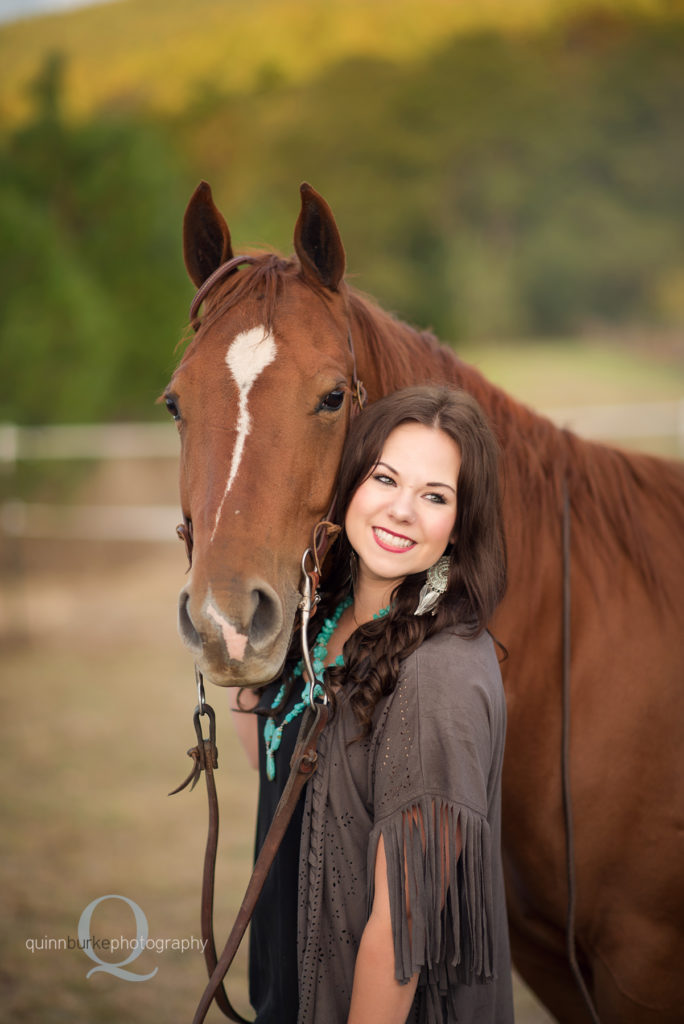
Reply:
x=571, y=945
x=304, y=759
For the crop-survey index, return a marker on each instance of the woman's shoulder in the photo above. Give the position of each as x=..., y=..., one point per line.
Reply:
x=454, y=670
x=443, y=727
x=452, y=649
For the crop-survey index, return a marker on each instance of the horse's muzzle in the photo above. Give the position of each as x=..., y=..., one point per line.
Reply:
x=245, y=649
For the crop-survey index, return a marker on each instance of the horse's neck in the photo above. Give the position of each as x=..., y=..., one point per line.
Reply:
x=392, y=355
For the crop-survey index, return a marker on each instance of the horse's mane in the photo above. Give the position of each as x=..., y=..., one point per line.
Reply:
x=255, y=273
x=396, y=348
x=609, y=489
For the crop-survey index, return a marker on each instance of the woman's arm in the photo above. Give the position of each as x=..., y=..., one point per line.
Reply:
x=376, y=995
x=245, y=724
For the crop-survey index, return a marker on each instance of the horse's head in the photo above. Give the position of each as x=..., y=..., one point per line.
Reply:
x=262, y=399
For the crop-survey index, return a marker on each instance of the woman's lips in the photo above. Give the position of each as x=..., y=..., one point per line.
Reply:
x=394, y=542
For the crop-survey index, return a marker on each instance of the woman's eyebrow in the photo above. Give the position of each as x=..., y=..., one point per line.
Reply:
x=428, y=483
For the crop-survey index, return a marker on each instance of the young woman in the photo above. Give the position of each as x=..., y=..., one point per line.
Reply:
x=398, y=913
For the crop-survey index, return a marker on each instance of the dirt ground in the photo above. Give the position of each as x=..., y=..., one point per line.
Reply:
x=97, y=709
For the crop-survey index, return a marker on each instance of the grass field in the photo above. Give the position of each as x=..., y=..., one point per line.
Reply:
x=96, y=713
x=602, y=368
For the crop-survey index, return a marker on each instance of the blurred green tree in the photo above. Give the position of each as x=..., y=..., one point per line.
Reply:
x=93, y=282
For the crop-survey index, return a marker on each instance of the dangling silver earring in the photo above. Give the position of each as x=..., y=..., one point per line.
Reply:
x=435, y=585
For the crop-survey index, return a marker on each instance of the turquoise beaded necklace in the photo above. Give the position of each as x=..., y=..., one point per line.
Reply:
x=273, y=734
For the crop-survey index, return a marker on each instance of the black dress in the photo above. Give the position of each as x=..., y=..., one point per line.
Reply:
x=273, y=987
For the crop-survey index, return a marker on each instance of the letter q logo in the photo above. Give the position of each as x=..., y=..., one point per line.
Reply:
x=141, y=931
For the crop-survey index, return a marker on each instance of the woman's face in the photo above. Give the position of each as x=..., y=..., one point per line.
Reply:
x=402, y=517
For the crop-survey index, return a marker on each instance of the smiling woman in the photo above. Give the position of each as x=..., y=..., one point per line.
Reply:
x=389, y=882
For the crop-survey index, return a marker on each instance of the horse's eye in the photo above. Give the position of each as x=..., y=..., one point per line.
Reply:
x=172, y=407
x=332, y=401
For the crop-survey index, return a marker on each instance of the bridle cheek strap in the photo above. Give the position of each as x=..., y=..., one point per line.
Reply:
x=326, y=530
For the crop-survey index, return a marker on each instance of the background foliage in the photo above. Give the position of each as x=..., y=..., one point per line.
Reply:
x=496, y=170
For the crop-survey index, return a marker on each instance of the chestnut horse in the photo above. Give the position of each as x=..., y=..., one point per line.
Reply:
x=262, y=397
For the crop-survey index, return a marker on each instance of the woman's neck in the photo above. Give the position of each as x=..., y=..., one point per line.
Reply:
x=370, y=597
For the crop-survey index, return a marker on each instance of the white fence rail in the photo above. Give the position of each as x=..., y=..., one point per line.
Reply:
x=100, y=441
x=89, y=522
x=619, y=423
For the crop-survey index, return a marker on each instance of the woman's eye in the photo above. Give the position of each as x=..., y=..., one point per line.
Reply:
x=172, y=407
x=436, y=499
x=383, y=478
x=332, y=401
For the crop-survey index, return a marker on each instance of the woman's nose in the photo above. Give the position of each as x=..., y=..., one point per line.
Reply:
x=402, y=507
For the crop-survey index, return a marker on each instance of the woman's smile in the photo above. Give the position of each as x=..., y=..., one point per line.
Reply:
x=390, y=541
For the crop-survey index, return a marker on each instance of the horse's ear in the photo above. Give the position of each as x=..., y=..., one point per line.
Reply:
x=206, y=238
x=317, y=240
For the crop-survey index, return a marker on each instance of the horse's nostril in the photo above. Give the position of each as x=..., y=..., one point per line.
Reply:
x=185, y=625
x=266, y=618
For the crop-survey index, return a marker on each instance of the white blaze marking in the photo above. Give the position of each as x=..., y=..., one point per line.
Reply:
x=235, y=642
x=248, y=354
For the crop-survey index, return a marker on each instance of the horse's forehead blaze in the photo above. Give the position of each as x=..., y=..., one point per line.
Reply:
x=247, y=355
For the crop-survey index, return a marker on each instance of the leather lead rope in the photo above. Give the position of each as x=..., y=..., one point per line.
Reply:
x=303, y=765
x=571, y=946
x=205, y=758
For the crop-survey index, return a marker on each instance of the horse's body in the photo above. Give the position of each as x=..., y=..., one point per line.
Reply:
x=257, y=396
